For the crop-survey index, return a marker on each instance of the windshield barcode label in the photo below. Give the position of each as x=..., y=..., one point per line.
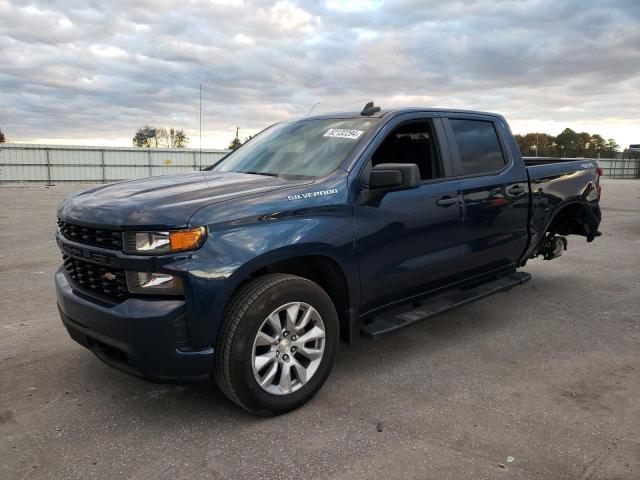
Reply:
x=343, y=133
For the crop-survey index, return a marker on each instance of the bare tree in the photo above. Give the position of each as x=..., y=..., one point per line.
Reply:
x=159, y=137
x=178, y=138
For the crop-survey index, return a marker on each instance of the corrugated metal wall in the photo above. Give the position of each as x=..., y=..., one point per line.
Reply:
x=55, y=163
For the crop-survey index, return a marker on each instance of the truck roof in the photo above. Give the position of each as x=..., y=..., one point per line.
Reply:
x=398, y=111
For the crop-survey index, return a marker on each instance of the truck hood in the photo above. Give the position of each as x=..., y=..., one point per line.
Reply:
x=163, y=202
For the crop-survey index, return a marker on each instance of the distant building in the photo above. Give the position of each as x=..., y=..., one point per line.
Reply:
x=634, y=147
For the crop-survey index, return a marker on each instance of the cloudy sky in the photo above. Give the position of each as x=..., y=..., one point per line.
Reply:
x=91, y=72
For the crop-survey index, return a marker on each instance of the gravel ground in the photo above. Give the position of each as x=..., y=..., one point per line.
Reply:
x=539, y=382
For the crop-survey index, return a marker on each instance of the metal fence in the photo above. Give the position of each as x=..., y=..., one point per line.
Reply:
x=620, y=167
x=53, y=164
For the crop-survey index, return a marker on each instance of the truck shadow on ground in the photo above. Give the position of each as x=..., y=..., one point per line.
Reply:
x=362, y=364
x=363, y=359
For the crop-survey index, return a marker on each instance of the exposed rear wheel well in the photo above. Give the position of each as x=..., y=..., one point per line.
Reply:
x=573, y=219
x=323, y=271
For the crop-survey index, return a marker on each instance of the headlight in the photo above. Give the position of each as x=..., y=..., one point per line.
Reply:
x=153, y=283
x=153, y=243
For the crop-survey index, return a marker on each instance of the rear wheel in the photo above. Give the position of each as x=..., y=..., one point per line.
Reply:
x=278, y=344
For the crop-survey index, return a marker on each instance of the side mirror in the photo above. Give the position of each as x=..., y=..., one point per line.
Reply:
x=394, y=176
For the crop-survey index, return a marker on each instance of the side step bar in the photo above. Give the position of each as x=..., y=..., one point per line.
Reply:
x=403, y=316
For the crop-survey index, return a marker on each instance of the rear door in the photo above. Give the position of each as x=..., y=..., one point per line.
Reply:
x=494, y=190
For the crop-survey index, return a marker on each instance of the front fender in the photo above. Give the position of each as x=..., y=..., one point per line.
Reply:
x=237, y=249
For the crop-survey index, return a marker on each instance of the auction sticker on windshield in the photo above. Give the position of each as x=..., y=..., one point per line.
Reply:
x=343, y=133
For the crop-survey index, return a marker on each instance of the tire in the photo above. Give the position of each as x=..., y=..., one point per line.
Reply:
x=256, y=308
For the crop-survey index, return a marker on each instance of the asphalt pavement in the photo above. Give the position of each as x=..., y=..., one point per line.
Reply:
x=541, y=382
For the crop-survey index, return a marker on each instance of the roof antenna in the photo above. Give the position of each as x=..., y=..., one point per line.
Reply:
x=369, y=110
x=313, y=108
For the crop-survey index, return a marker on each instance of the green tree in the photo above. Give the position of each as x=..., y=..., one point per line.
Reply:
x=542, y=143
x=235, y=143
x=2, y=137
x=583, y=144
x=597, y=146
x=569, y=143
x=610, y=149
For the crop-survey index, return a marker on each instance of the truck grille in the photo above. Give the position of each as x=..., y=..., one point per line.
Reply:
x=91, y=236
x=111, y=282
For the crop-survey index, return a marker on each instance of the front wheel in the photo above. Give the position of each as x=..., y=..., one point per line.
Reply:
x=278, y=344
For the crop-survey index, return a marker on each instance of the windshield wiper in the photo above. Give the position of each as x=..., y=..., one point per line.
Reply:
x=261, y=173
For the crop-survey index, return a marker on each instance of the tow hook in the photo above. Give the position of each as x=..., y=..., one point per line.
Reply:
x=553, y=247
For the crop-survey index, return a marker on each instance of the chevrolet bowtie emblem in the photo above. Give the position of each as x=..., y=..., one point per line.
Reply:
x=108, y=276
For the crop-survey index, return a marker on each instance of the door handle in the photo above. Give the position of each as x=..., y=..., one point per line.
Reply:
x=516, y=190
x=447, y=201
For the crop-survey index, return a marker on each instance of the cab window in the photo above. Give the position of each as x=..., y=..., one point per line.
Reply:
x=412, y=142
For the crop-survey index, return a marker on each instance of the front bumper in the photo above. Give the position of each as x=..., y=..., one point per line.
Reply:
x=138, y=336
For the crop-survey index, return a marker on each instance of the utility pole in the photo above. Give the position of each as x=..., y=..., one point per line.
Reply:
x=200, y=114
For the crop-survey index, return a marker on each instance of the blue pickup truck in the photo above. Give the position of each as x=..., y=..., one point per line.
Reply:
x=252, y=271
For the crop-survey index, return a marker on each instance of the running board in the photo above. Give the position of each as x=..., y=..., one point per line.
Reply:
x=403, y=316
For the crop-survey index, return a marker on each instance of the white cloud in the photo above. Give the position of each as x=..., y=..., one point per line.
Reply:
x=364, y=34
x=89, y=70
x=107, y=51
x=243, y=39
x=289, y=16
x=64, y=22
x=353, y=5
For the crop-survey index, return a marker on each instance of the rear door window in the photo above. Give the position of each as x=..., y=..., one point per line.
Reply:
x=478, y=145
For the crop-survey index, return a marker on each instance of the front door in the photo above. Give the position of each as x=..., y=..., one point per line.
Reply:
x=408, y=242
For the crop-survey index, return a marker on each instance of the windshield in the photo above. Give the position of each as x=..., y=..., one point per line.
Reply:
x=306, y=148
